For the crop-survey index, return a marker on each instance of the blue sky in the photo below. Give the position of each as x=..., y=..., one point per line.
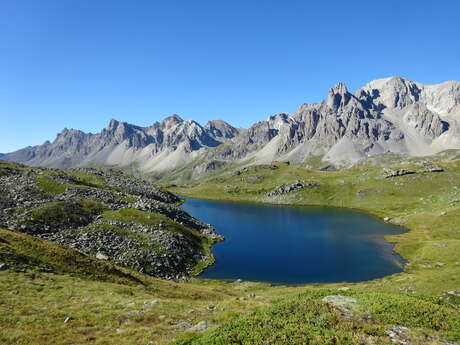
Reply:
x=79, y=63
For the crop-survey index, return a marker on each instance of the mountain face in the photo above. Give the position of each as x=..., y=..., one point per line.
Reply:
x=387, y=115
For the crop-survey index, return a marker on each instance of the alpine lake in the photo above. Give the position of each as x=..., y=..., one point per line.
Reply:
x=296, y=245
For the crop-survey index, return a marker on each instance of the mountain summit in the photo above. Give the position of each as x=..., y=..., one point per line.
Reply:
x=393, y=115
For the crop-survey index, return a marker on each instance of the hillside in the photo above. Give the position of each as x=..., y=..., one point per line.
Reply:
x=55, y=295
x=108, y=214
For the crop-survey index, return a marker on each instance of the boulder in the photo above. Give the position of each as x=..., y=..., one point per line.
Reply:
x=344, y=303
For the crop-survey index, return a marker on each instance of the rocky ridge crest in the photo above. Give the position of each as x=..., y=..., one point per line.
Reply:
x=392, y=115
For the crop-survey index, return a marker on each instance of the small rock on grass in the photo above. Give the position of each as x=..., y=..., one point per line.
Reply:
x=202, y=326
x=454, y=293
x=101, y=256
x=180, y=324
x=344, y=303
x=151, y=303
x=399, y=335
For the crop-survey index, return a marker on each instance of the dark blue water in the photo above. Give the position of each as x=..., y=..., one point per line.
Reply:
x=293, y=245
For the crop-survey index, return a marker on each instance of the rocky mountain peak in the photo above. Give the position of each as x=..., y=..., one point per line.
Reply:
x=113, y=124
x=338, y=96
x=67, y=133
x=394, y=92
x=171, y=121
x=277, y=120
x=340, y=88
x=221, y=129
x=387, y=115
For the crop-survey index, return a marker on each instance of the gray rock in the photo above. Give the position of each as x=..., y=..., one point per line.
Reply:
x=291, y=188
x=454, y=293
x=180, y=324
x=202, y=326
x=388, y=173
x=399, y=335
x=151, y=303
x=101, y=256
x=344, y=303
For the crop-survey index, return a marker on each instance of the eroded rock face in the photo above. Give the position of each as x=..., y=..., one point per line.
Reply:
x=393, y=115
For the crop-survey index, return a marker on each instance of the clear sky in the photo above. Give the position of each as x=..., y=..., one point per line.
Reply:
x=79, y=63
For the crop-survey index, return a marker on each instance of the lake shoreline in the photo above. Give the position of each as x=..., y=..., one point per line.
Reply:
x=376, y=215
x=394, y=257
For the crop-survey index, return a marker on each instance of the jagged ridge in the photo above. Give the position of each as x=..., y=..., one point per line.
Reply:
x=393, y=115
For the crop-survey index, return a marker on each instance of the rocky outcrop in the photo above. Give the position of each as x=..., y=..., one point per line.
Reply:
x=291, y=188
x=431, y=168
x=425, y=167
x=388, y=173
x=105, y=213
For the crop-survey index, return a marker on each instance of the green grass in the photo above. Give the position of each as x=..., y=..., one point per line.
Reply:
x=422, y=203
x=131, y=215
x=128, y=199
x=305, y=319
x=106, y=303
x=87, y=178
x=63, y=213
x=48, y=185
x=27, y=252
x=8, y=167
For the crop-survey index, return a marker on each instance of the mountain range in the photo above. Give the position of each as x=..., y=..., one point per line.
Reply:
x=391, y=115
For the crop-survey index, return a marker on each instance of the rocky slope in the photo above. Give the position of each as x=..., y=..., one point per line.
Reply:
x=107, y=214
x=392, y=115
